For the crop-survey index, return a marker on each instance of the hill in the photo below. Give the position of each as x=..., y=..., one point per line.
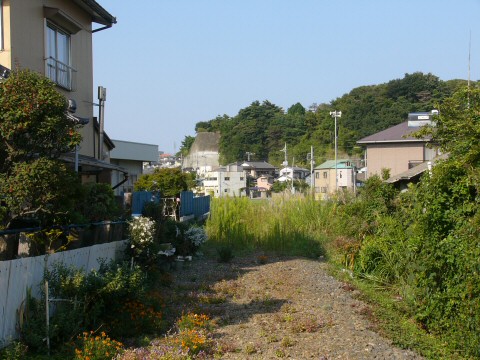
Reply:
x=264, y=128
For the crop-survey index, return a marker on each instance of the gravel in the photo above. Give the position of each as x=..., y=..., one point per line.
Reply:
x=269, y=307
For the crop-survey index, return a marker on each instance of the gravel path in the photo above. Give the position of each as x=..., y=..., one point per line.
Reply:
x=269, y=308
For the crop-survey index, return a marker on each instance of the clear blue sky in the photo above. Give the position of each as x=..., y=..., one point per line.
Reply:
x=168, y=64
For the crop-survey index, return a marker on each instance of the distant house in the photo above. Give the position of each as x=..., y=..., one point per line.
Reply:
x=230, y=180
x=255, y=169
x=396, y=149
x=264, y=182
x=324, y=178
x=289, y=172
x=130, y=156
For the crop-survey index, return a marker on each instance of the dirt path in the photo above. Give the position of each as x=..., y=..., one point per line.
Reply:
x=271, y=308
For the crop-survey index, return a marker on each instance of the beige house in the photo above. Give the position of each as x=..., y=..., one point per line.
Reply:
x=396, y=149
x=325, y=183
x=54, y=38
x=265, y=182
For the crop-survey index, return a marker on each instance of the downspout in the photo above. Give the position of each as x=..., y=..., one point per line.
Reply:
x=125, y=179
x=100, y=29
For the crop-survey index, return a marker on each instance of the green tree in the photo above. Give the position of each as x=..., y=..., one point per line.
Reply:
x=33, y=119
x=34, y=132
x=186, y=145
x=168, y=182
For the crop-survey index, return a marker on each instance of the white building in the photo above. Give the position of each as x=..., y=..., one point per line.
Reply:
x=230, y=180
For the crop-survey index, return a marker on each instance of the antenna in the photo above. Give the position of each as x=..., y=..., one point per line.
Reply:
x=468, y=82
x=469, y=51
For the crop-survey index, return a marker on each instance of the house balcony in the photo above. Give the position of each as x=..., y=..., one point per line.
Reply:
x=61, y=74
x=413, y=163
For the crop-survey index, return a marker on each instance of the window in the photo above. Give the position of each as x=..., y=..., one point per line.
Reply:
x=58, y=57
x=317, y=175
x=226, y=190
x=227, y=178
x=325, y=174
x=324, y=190
x=241, y=178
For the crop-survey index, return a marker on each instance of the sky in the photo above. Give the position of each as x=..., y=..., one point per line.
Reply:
x=168, y=64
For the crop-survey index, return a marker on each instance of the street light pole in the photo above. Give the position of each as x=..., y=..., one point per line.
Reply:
x=336, y=114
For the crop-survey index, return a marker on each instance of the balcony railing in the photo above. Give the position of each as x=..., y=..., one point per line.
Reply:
x=61, y=74
x=413, y=163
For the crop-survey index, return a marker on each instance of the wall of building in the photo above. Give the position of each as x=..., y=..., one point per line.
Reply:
x=395, y=157
x=221, y=184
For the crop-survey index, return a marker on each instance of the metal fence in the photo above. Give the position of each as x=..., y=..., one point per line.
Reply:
x=16, y=276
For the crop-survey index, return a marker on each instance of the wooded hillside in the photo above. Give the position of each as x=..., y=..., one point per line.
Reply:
x=263, y=128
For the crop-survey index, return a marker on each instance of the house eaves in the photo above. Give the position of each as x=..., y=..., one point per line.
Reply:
x=97, y=12
x=401, y=133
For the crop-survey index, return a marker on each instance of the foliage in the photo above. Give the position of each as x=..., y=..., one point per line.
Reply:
x=90, y=300
x=168, y=182
x=283, y=225
x=98, y=203
x=264, y=128
x=35, y=131
x=186, y=145
x=196, y=235
x=15, y=351
x=225, y=254
x=33, y=119
x=192, y=340
x=30, y=189
x=423, y=244
x=91, y=346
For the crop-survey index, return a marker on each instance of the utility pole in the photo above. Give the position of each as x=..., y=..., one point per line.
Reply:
x=336, y=114
x=249, y=154
x=312, y=179
x=102, y=96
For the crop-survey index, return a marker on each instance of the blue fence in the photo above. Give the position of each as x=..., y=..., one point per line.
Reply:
x=189, y=205
x=196, y=206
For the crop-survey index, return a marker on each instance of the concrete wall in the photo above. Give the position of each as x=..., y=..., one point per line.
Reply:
x=395, y=157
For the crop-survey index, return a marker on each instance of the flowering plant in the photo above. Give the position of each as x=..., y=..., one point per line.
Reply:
x=196, y=235
x=97, y=347
x=142, y=230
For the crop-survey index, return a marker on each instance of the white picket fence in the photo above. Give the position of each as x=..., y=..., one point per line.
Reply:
x=18, y=275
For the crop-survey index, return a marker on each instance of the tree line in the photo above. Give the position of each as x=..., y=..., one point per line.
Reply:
x=263, y=128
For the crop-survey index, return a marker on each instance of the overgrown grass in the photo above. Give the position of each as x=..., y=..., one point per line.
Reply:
x=356, y=236
x=288, y=226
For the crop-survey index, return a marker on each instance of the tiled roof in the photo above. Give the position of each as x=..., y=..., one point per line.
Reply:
x=397, y=133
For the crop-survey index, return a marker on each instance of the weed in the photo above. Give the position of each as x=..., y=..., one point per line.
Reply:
x=250, y=349
x=225, y=254
x=280, y=353
x=287, y=342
